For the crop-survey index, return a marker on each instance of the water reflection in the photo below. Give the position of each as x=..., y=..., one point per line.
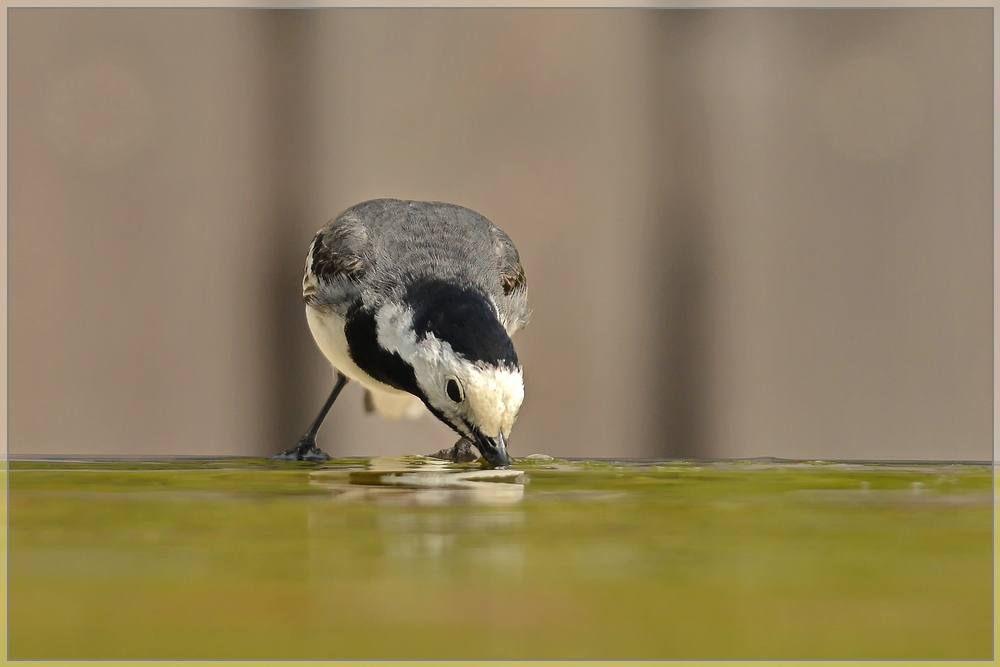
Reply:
x=432, y=517
x=414, y=480
x=483, y=543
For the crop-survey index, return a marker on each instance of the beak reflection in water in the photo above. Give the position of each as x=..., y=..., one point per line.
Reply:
x=424, y=481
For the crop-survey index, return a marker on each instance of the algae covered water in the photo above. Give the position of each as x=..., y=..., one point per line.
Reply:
x=247, y=558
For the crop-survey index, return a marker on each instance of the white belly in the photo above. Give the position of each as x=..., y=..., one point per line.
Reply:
x=328, y=332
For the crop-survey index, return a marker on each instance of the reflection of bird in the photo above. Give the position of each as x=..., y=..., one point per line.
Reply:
x=419, y=299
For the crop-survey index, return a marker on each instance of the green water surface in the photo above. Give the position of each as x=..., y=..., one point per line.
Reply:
x=247, y=558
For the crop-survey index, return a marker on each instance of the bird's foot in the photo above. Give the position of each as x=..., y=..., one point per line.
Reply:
x=306, y=450
x=463, y=452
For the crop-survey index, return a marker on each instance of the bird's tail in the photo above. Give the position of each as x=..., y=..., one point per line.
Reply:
x=393, y=406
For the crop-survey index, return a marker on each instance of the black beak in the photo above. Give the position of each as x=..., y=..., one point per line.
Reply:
x=494, y=450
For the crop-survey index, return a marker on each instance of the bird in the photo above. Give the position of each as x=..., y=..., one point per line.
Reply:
x=417, y=302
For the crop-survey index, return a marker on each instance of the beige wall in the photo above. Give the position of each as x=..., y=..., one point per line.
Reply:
x=746, y=232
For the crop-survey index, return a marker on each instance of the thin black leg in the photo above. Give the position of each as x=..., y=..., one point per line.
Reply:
x=307, y=450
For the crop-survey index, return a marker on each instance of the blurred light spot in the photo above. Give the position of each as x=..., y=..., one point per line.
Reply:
x=868, y=108
x=99, y=115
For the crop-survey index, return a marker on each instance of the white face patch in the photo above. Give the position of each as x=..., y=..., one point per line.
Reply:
x=493, y=396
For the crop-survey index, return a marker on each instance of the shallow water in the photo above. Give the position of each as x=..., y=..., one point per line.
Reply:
x=248, y=558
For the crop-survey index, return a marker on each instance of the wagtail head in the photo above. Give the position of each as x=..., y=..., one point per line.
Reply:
x=463, y=362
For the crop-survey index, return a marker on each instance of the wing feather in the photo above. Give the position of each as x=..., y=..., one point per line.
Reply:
x=512, y=281
x=511, y=272
x=337, y=253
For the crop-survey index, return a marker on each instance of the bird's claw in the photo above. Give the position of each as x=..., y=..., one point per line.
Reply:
x=463, y=452
x=306, y=450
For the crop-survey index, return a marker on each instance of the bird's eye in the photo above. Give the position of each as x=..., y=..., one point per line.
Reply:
x=454, y=390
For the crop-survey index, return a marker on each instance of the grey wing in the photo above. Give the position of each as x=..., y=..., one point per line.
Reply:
x=513, y=304
x=336, y=261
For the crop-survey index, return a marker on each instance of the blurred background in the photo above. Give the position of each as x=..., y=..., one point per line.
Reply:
x=746, y=232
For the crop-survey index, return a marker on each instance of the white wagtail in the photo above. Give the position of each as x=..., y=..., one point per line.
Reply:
x=419, y=299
